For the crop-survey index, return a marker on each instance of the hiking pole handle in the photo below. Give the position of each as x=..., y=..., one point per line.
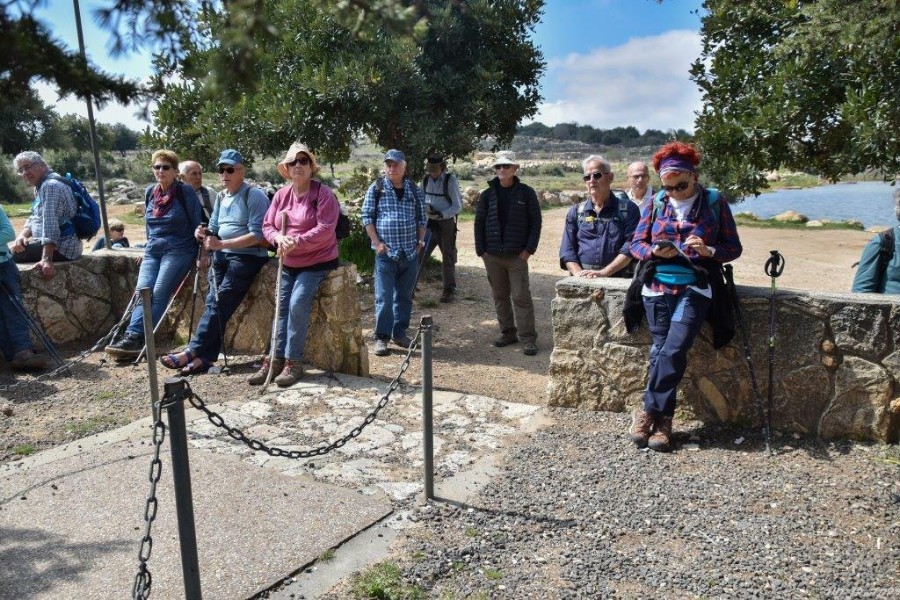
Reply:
x=775, y=264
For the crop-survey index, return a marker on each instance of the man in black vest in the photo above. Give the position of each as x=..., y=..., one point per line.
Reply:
x=191, y=173
x=507, y=232
x=443, y=203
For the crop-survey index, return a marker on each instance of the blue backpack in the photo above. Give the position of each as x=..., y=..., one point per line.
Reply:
x=86, y=222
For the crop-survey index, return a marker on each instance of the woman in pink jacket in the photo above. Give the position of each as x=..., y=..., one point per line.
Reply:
x=309, y=249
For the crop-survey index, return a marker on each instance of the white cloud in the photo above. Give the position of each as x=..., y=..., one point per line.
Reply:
x=111, y=113
x=644, y=82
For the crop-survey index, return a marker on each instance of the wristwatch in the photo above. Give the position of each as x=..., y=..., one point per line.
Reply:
x=712, y=251
x=422, y=243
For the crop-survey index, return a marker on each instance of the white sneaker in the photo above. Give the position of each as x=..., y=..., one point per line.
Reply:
x=381, y=347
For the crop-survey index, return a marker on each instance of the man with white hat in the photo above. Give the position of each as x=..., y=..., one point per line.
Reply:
x=443, y=201
x=507, y=232
x=393, y=215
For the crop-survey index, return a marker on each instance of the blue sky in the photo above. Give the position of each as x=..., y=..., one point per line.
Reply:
x=609, y=62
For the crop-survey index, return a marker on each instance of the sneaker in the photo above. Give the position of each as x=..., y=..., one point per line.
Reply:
x=530, y=349
x=641, y=426
x=28, y=360
x=506, y=340
x=447, y=296
x=290, y=373
x=381, y=348
x=403, y=342
x=661, y=440
x=129, y=346
x=259, y=377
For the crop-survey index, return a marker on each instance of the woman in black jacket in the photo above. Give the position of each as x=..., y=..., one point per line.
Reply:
x=507, y=231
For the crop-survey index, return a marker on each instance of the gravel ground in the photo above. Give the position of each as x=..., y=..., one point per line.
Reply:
x=578, y=512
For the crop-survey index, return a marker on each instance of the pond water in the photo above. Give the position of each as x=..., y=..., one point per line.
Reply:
x=869, y=202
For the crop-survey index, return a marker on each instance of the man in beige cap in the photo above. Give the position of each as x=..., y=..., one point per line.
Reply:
x=507, y=232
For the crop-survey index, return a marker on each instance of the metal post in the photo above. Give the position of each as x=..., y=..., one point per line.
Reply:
x=146, y=299
x=427, y=417
x=94, y=145
x=181, y=475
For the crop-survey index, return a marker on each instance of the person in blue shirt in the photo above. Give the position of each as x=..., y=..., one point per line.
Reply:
x=394, y=217
x=596, y=240
x=877, y=274
x=116, y=237
x=171, y=215
x=235, y=239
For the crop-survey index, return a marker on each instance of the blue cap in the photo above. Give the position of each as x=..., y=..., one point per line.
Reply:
x=394, y=155
x=230, y=157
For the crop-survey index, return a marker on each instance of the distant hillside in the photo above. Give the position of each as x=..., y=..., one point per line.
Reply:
x=540, y=148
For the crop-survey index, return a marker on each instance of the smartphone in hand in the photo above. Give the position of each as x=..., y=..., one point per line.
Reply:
x=663, y=244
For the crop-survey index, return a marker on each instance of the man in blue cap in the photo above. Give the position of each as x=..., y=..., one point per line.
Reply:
x=394, y=217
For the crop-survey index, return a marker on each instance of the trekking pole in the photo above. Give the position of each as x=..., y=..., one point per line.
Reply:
x=424, y=258
x=760, y=413
x=35, y=327
x=163, y=316
x=274, y=341
x=774, y=267
x=215, y=287
x=196, y=282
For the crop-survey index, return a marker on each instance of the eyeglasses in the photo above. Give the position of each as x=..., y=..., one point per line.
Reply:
x=498, y=167
x=300, y=160
x=595, y=176
x=228, y=170
x=162, y=167
x=639, y=176
x=21, y=170
x=679, y=187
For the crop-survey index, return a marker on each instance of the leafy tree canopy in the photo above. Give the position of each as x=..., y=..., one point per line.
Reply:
x=617, y=136
x=472, y=73
x=800, y=84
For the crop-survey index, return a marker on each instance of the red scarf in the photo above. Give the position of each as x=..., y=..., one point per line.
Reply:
x=162, y=201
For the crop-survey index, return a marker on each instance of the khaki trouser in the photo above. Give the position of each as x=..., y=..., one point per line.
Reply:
x=508, y=276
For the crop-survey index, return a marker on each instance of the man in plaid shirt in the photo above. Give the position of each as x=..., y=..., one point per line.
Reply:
x=393, y=215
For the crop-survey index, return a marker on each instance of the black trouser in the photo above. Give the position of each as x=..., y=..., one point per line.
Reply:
x=34, y=252
x=443, y=236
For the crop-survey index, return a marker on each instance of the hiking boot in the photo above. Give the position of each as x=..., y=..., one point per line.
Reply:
x=381, y=348
x=506, y=339
x=661, y=440
x=28, y=360
x=641, y=426
x=447, y=296
x=129, y=346
x=530, y=349
x=402, y=341
x=259, y=377
x=290, y=374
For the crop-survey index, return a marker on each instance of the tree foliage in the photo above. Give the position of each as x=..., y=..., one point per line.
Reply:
x=628, y=136
x=799, y=84
x=473, y=72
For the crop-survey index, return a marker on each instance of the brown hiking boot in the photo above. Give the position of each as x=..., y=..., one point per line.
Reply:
x=661, y=440
x=506, y=339
x=290, y=374
x=641, y=426
x=28, y=360
x=447, y=296
x=259, y=377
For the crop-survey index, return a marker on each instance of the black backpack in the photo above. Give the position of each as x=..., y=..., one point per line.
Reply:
x=342, y=229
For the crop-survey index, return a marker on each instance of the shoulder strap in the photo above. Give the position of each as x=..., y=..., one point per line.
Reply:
x=446, y=185
x=885, y=251
x=623, y=211
x=582, y=207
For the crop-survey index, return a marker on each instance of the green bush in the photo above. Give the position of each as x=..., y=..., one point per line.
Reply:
x=357, y=248
x=13, y=189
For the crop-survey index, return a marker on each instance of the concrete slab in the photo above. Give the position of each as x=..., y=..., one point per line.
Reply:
x=70, y=527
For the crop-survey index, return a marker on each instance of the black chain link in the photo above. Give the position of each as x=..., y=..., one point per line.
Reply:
x=143, y=580
x=236, y=434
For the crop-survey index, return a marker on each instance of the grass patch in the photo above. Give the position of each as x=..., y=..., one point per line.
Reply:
x=493, y=574
x=106, y=395
x=428, y=304
x=383, y=582
x=23, y=449
x=131, y=218
x=326, y=556
x=91, y=426
x=746, y=220
x=471, y=532
x=15, y=210
x=891, y=455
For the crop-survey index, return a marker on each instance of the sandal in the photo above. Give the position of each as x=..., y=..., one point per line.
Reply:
x=172, y=361
x=196, y=366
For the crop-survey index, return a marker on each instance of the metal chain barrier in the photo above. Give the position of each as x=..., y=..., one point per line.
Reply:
x=143, y=581
x=235, y=433
x=101, y=343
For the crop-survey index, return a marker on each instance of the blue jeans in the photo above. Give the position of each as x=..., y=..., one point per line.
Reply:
x=674, y=323
x=297, y=294
x=395, y=282
x=163, y=274
x=14, y=335
x=234, y=274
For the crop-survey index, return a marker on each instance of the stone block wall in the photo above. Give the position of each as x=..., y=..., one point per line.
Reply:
x=87, y=297
x=837, y=360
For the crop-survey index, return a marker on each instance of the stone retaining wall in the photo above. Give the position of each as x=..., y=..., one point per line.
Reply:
x=837, y=361
x=87, y=297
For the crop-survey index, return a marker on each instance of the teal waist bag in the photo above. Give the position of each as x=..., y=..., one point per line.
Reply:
x=670, y=274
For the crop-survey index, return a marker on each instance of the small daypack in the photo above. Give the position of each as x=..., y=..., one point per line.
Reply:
x=342, y=228
x=885, y=251
x=86, y=222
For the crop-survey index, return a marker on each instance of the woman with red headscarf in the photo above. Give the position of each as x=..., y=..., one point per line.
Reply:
x=682, y=239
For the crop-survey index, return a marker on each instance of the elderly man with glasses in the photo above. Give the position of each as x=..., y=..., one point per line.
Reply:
x=638, y=175
x=596, y=239
x=507, y=232
x=48, y=234
x=191, y=173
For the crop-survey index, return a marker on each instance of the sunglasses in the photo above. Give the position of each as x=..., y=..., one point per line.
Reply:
x=228, y=170
x=162, y=167
x=595, y=176
x=498, y=167
x=680, y=187
x=300, y=160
